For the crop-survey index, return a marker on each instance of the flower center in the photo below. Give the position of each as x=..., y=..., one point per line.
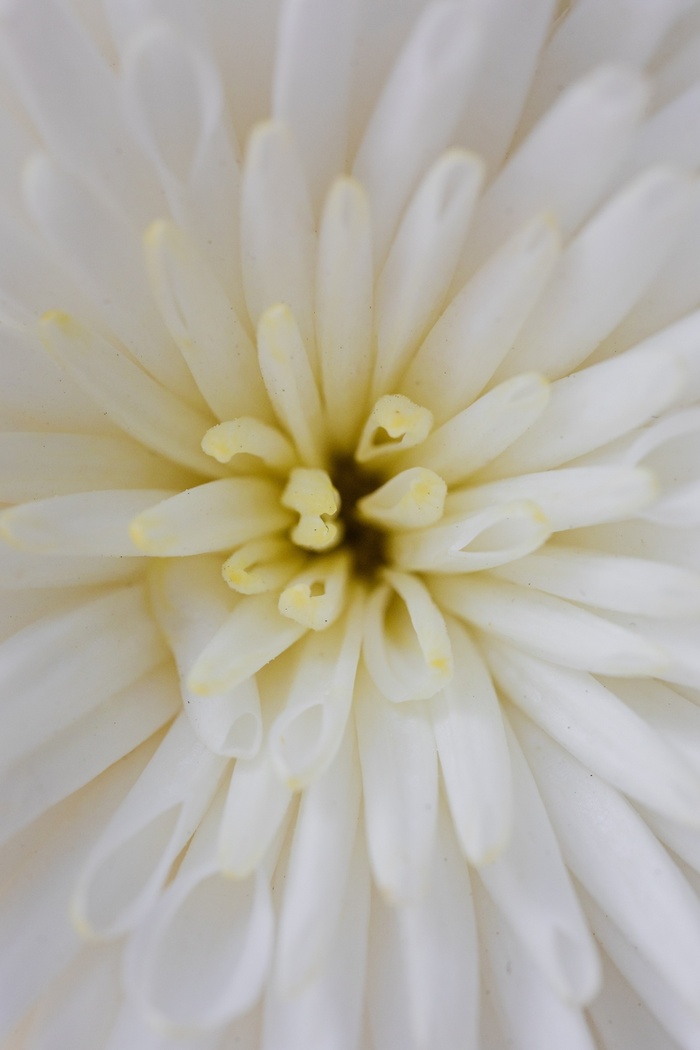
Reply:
x=366, y=542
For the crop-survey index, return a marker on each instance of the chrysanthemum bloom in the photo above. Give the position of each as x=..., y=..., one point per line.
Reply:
x=351, y=662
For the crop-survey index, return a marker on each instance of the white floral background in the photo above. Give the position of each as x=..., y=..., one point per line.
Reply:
x=349, y=542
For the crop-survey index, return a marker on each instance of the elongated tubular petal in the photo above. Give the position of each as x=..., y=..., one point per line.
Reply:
x=129, y=863
x=330, y=576
x=473, y=753
x=423, y=986
x=610, y=850
x=262, y=565
x=257, y=802
x=599, y=32
x=174, y=100
x=673, y=716
x=277, y=235
x=412, y=499
x=566, y=162
x=290, y=382
x=78, y=224
x=39, y=940
x=482, y=431
x=88, y=523
x=311, y=493
x=210, y=517
x=201, y=319
x=34, y=466
x=400, y=784
x=191, y=602
x=75, y=755
x=330, y=1007
x=394, y=424
x=135, y=401
x=680, y=1022
x=406, y=648
x=306, y=735
x=65, y=665
x=465, y=347
x=596, y=726
x=550, y=628
x=313, y=72
x=568, y=498
x=72, y=96
x=254, y=634
x=530, y=885
x=203, y=954
x=250, y=436
x=609, y=581
x=414, y=281
x=676, y=638
x=478, y=541
x=417, y=112
x=344, y=304
x=519, y=990
x=318, y=870
x=607, y=267
x=591, y=408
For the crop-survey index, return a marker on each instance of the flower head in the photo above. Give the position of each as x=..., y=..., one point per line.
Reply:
x=351, y=480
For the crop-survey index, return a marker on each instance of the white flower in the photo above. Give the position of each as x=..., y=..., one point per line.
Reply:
x=351, y=652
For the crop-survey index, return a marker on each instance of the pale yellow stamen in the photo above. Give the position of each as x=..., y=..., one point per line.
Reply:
x=394, y=424
x=249, y=435
x=316, y=597
x=413, y=499
x=262, y=565
x=310, y=492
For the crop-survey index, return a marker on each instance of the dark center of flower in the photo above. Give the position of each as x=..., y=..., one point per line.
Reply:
x=366, y=543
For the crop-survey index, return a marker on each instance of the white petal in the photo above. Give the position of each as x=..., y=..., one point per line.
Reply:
x=609, y=581
x=482, y=431
x=129, y=863
x=610, y=850
x=73, y=98
x=405, y=645
x=254, y=634
x=211, y=517
x=201, y=319
x=77, y=754
x=344, y=303
x=593, y=724
x=80, y=227
x=304, y=738
x=417, y=112
x=531, y=1014
x=135, y=401
x=328, y=1011
x=478, y=328
x=565, y=163
x=568, y=498
x=473, y=753
x=478, y=541
x=203, y=954
x=67, y=664
x=424, y=976
x=81, y=1006
x=414, y=281
x=318, y=870
x=530, y=885
x=593, y=407
x=191, y=602
x=36, y=465
x=312, y=79
x=277, y=235
x=88, y=523
x=290, y=382
x=604, y=272
x=550, y=628
x=400, y=783
x=20, y=570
